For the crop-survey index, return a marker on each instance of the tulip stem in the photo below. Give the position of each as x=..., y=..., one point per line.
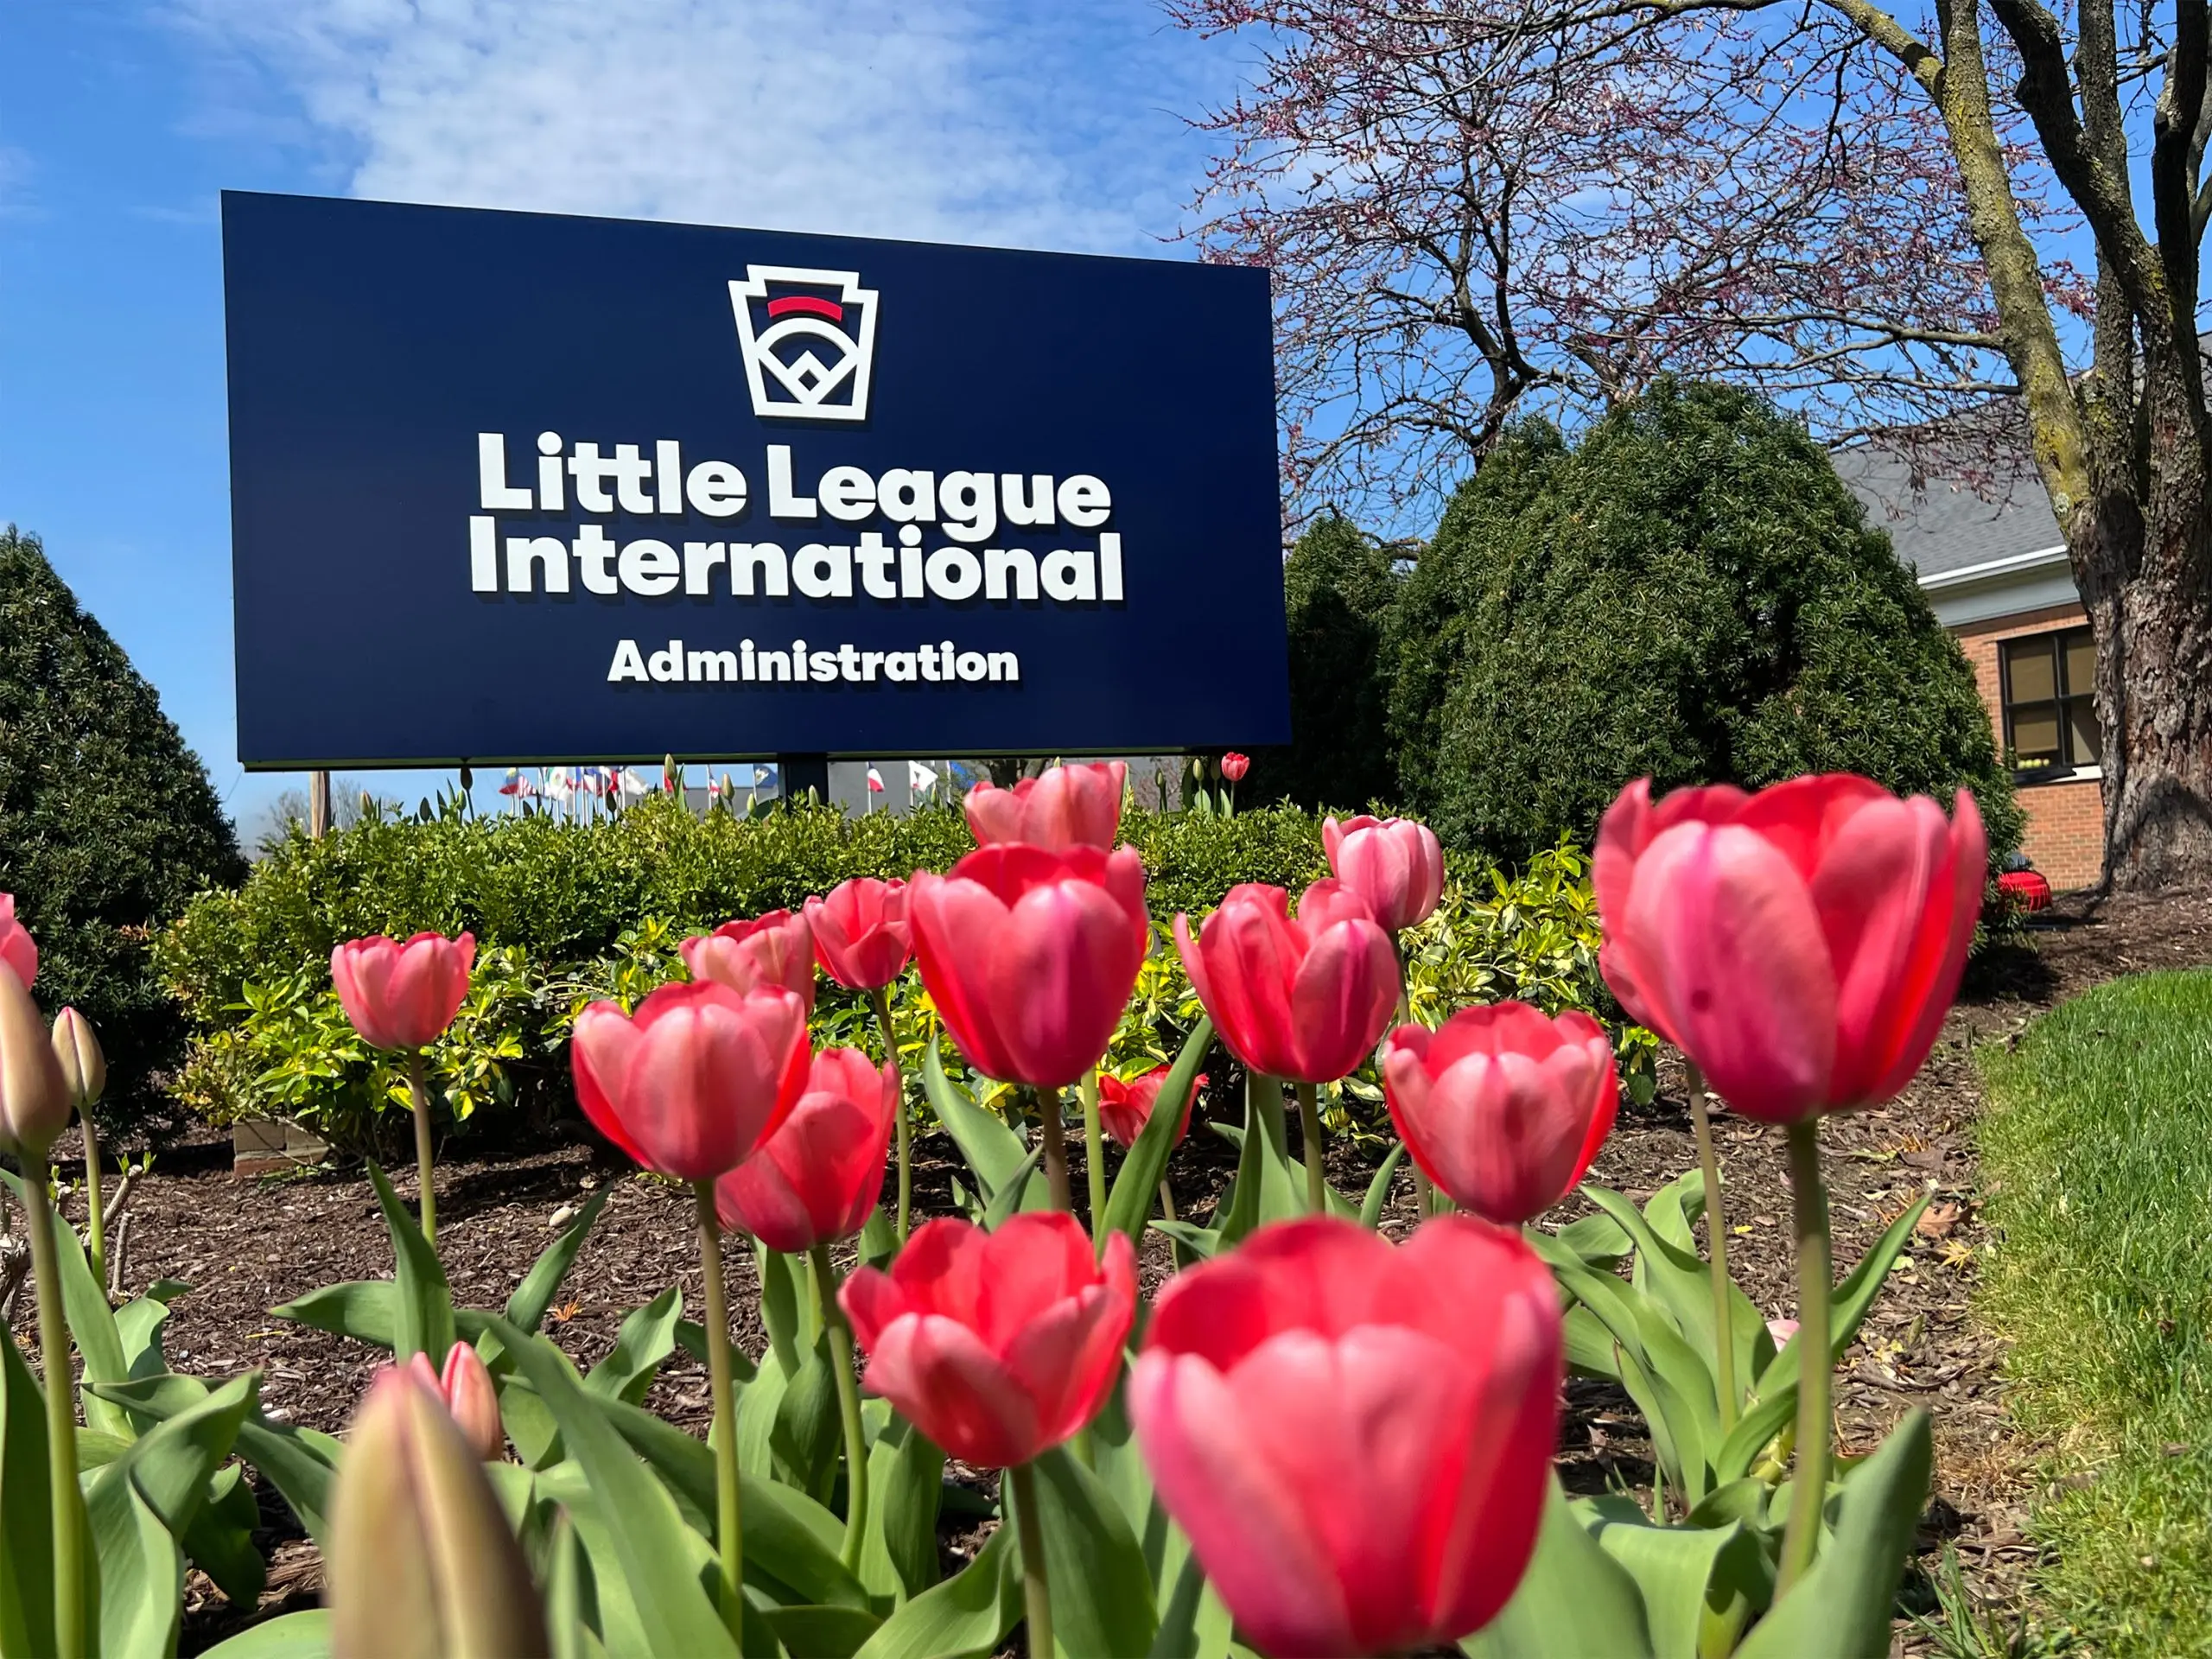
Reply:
x=848, y=1406
x=93, y=1198
x=1056, y=1148
x=418, y=1092
x=1423, y=1192
x=1716, y=1238
x=1809, y=1491
x=1094, y=1157
x=1029, y=1528
x=1309, y=1127
x=65, y=1498
x=729, y=1527
x=882, y=998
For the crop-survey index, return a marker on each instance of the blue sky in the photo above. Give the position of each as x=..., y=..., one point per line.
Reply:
x=1054, y=124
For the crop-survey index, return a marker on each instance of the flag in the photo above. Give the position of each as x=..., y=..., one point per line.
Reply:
x=919, y=777
x=763, y=775
x=961, y=775
x=633, y=787
x=874, y=781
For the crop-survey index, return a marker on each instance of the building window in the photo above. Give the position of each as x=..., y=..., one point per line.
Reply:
x=2051, y=716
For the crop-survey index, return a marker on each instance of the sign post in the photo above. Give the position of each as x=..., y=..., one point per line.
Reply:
x=513, y=488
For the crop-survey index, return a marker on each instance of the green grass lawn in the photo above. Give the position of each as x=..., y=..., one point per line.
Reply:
x=2097, y=1151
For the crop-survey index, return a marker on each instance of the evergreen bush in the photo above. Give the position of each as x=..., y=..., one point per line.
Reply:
x=108, y=825
x=1688, y=593
x=1339, y=587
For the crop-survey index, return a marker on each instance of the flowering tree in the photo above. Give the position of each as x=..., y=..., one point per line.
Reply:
x=1478, y=209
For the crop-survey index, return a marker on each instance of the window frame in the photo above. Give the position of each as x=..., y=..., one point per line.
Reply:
x=2051, y=643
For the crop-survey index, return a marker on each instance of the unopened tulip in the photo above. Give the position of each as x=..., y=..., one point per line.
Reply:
x=1125, y=1107
x=696, y=1079
x=1030, y=955
x=403, y=996
x=1235, y=766
x=777, y=948
x=1801, y=945
x=1394, y=864
x=996, y=1345
x=421, y=1562
x=466, y=1387
x=1306, y=1000
x=1501, y=1107
x=35, y=1098
x=1069, y=806
x=818, y=1178
x=17, y=949
x=1357, y=1437
x=861, y=937
x=84, y=1068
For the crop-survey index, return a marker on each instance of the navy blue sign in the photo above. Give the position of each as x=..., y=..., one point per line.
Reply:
x=509, y=487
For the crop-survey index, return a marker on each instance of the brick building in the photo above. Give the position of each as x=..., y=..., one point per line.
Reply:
x=1996, y=571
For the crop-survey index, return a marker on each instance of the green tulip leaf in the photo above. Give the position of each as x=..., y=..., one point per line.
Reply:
x=1673, y=1567
x=26, y=1515
x=1201, y=1242
x=425, y=1304
x=293, y=1636
x=1378, y=1190
x=365, y=1310
x=970, y=1612
x=91, y=1320
x=1013, y=1198
x=527, y=1308
x=1841, y=1608
x=1575, y=1601
x=1103, y=1604
x=1136, y=1185
x=646, y=1338
x=906, y=1473
x=993, y=1152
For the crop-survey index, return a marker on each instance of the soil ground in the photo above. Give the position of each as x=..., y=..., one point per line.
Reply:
x=247, y=1246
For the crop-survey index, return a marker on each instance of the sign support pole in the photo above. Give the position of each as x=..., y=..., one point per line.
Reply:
x=800, y=772
x=317, y=804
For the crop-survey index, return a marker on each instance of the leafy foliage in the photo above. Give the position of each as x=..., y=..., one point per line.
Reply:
x=1338, y=591
x=1688, y=593
x=108, y=825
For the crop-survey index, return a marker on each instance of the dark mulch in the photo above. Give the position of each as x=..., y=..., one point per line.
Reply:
x=246, y=1246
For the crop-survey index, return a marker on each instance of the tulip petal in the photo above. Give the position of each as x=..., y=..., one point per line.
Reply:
x=940, y=1377
x=1341, y=1000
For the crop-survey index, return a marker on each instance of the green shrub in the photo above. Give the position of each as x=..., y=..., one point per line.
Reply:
x=107, y=823
x=565, y=914
x=1689, y=593
x=1338, y=590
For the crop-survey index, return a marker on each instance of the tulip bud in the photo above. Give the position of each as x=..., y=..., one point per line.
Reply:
x=84, y=1068
x=35, y=1103
x=422, y=1561
x=473, y=1402
x=468, y=779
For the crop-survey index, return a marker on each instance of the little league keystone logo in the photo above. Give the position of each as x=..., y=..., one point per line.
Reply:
x=808, y=337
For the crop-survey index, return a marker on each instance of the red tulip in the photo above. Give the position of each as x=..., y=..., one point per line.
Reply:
x=1357, y=1439
x=1030, y=955
x=1800, y=944
x=1305, y=1000
x=693, y=1082
x=1393, y=864
x=1069, y=806
x=403, y=996
x=996, y=1345
x=861, y=937
x=1235, y=766
x=816, y=1178
x=777, y=948
x=17, y=949
x=466, y=1387
x=1502, y=1107
x=1124, y=1108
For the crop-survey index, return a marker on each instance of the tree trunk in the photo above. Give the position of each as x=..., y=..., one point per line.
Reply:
x=2142, y=556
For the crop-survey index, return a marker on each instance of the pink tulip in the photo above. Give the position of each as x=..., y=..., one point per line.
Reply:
x=1235, y=766
x=862, y=936
x=1357, y=1439
x=17, y=949
x=1069, y=806
x=693, y=1082
x=1030, y=955
x=1502, y=1107
x=777, y=948
x=996, y=1345
x=816, y=1178
x=1393, y=864
x=1124, y=1108
x=403, y=996
x=466, y=1387
x=1800, y=944
x=1303, y=1000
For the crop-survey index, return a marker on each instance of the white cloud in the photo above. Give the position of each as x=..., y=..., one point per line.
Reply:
x=1044, y=124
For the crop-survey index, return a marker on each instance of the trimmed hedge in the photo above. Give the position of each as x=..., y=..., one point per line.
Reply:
x=565, y=913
